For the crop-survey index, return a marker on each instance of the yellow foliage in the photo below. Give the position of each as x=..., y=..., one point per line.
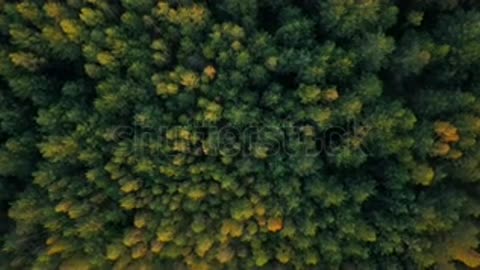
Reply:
x=59, y=148
x=232, y=228
x=213, y=112
x=28, y=10
x=90, y=227
x=171, y=134
x=128, y=203
x=181, y=146
x=140, y=220
x=18, y=35
x=469, y=257
x=194, y=14
x=331, y=95
x=210, y=72
x=130, y=186
x=51, y=240
x=165, y=235
x=237, y=46
x=455, y=154
x=53, y=10
x=284, y=254
x=311, y=258
x=166, y=89
x=261, y=258
x=75, y=211
x=260, y=152
x=114, y=251
x=162, y=8
x=441, y=149
x=322, y=117
x=260, y=210
x=197, y=14
x=156, y=246
x=159, y=45
x=196, y=194
x=75, y=264
x=133, y=237
x=141, y=265
x=63, y=206
x=354, y=107
x=105, y=59
x=92, y=70
x=122, y=263
x=423, y=175
x=252, y=228
x=203, y=246
x=119, y=48
x=139, y=251
x=57, y=248
x=168, y=171
x=272, y=63
x=225, y=255
x=179, y=160
x=199, y=265
x=26, y=60
x=308, y=131
x=53, y=35
x=185, y=134
x=71, y=28
x=91, y=17
x=190, y=80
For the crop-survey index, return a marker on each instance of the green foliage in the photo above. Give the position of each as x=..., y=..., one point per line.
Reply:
x=239, y=134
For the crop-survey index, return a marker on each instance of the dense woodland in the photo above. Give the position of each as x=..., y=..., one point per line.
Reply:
x=239, y=134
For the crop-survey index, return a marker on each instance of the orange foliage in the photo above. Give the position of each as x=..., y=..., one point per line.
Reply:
x=275, y=224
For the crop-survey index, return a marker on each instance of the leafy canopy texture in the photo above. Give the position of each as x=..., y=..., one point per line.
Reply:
x=239, y=134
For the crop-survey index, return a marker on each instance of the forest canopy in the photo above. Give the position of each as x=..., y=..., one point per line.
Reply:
x=239, y=134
